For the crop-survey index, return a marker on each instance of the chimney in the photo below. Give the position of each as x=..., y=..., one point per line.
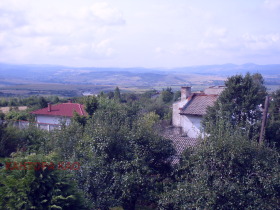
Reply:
x=49, y=107
x=185, y=92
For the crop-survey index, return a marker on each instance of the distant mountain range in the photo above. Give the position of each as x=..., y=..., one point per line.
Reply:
x=11, y=74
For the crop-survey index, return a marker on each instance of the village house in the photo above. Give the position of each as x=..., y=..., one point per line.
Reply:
x=188, y=112
x=54, y=115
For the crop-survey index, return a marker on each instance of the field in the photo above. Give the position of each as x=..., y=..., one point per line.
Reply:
x=18, y=80
x=6, y=109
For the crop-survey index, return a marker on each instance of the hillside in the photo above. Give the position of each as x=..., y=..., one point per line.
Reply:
x=49, y=79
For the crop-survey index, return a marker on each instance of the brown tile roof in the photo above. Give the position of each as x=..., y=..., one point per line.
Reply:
x=198, y=104
x=180, y=143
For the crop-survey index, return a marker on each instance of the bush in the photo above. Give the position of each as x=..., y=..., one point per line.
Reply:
x=227, y=171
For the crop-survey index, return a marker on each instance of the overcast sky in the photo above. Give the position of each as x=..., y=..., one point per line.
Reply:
x=139, y=33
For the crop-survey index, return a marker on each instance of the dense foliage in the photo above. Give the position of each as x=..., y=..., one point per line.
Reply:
x=120, y=155
x=273, y=126
x=227, y=171
x=239, y=104
x=125, y=163
x=40, y=188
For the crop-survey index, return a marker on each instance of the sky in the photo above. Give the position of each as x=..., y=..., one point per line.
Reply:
x=139, y=33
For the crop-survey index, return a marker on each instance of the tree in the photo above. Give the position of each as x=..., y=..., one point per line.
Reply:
x=2, y=116
x=177, y=95
x=42, y=102
x=121, y=157
x=81, y=119
x=40, y=188
x=110, y=95
x=167, y=95
x=117, y=95
x=91, y=104
x=226, y=171
x=10, y=140
x=272, y=133
x=238, y=103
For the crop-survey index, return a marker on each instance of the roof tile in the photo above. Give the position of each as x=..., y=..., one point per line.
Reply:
x=198, y=104
x=64, y=109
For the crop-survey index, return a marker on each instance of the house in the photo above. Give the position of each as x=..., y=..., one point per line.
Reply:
x=54, y=115
x=188, y=112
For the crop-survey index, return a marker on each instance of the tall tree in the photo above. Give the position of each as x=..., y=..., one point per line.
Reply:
x=91, y=104
x=272, y=133
x=238, y=103
x=117, y=95
x=42, y=102
x=167, y=95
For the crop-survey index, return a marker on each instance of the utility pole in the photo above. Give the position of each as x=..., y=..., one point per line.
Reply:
x=264, y=119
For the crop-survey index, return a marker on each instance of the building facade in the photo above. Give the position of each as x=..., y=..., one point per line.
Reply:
x=53, y=116
x=188, y=112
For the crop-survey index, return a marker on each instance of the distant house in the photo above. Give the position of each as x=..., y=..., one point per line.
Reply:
x=188, y=112
x=52, y=116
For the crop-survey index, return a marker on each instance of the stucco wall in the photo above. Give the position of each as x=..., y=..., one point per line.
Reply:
x=175, y=112
x=52, y=119
x=191, y=125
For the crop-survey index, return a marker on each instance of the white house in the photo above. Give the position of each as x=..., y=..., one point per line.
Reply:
x=52, y=116
x=188, y=112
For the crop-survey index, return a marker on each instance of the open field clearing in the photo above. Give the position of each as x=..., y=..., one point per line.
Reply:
x=6, y=109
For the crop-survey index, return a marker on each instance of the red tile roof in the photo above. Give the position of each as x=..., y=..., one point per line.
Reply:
x=65, y=109
x=198, y=104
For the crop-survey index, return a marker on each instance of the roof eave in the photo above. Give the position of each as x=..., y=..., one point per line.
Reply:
x=192, y=114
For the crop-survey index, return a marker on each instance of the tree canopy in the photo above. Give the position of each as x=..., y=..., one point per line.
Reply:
x=239, y=104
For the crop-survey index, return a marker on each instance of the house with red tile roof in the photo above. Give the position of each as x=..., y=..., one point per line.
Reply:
x=54, y=115
x=188, y=112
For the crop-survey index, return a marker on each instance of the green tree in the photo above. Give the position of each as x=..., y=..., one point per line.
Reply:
x=2, y=116
x=65, y=141
x=117, y=95
x=226, y=171
x=10, y=140
x=91, y=104
x=238, y=103
x=167, y=95
x=272, y=133
x=122, y=158
x=29, y=140
x=177, y=95
x=81, y=119
x=40, y=188
x=43, y=102
x=110, y=95
x=14, y=115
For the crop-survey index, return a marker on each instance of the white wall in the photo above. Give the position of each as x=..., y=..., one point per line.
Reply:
x=52, y=119
x=176, y=121
x=191, y=125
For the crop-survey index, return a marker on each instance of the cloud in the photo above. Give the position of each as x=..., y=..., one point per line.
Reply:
x=262, y=42
x=11, y=19
x=86, y=32
x=108, y=15
x=272, y=4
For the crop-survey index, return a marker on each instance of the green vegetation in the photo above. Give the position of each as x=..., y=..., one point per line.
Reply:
x=38, y=189
x=273, y=128
x=126, y=164
x=227, y=171
x=238, y=104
